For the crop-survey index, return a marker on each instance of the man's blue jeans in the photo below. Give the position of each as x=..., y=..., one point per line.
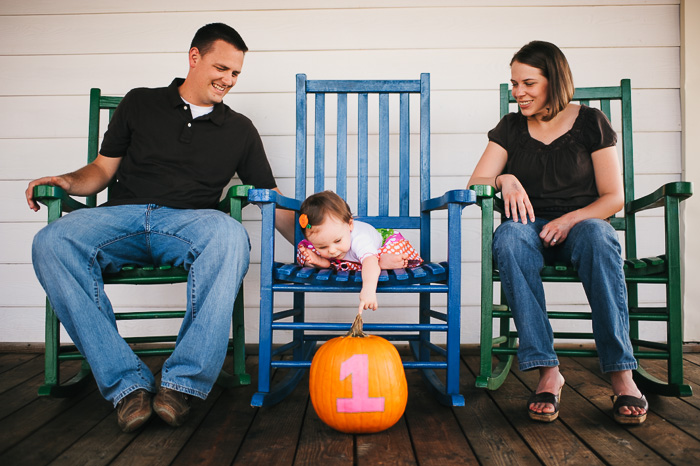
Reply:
x=594, y=250
x=70, y=255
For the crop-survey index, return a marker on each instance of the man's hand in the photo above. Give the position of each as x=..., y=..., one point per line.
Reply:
x=59, y=181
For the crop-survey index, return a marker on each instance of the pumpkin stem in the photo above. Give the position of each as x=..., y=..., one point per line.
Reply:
x=356, y=329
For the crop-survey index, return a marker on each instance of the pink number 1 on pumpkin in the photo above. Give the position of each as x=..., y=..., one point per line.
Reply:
x=358, y=366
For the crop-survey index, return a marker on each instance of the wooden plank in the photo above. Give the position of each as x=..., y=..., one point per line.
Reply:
x=22, y=411
x=553, y=443
x=58, y=155
x=658, y=369
x=448, y=27
x=393, y=446
x=160, y=443
x=647, y=67
x=51, y=439
x=135, y=6
x=17, y=369
x=222, y=432
x=274, y=433
x=320, y=444
x=668, y=441
x=432, y=426
x=492, y=438
x=12, y=360
x=65, y=116
x=594, y=427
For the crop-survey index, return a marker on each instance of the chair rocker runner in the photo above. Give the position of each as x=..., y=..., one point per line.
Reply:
x=663, y=269
x=57, y=203
x=443, y=277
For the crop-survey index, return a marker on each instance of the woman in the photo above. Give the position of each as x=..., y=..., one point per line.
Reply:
x=556, y=166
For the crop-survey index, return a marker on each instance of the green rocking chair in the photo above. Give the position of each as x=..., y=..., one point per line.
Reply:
x=663, y=269
x=57, y=203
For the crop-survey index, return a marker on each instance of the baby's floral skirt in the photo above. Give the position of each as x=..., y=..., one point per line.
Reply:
x=394, y=243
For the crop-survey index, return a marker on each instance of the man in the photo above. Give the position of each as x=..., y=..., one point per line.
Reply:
x=170, y=152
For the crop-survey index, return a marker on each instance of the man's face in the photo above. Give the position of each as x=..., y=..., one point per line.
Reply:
x=215, y=73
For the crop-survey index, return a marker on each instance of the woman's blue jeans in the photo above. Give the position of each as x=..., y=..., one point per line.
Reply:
x=70, y=255
x=594, y=250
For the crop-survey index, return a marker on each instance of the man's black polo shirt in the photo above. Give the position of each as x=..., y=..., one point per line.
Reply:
x=172, y=160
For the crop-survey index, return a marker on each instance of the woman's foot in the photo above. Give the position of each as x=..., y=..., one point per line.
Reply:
x=623, y=385
x=551, y=382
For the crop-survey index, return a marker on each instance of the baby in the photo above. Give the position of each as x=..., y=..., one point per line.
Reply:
x=334, y=239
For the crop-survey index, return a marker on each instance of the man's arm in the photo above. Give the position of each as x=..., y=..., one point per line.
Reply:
x=86, y=181
x=284, y=222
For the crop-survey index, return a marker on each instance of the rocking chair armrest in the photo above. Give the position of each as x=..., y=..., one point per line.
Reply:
x=46, y=194
x=269, y=196
x=485, y=191
x=463, y=197
x=680, y=189
x=235, y=199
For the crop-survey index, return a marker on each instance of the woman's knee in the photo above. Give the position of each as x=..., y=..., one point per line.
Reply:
x=595, y=235
x=513, y=236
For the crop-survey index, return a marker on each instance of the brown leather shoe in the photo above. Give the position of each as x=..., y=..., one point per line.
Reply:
x=172, y=406
x=134, y=410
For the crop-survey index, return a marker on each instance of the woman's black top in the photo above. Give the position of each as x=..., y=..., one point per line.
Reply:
x=558, y=177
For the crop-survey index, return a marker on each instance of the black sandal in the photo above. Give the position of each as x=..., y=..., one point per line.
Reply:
x=544, y=397
x=629, y=400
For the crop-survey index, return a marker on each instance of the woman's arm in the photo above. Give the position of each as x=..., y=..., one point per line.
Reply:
x=488, y=171
x=608, y=180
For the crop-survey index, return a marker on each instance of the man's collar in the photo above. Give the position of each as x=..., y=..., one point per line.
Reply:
x=216, y=116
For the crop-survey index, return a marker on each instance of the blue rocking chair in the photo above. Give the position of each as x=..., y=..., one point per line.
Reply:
x=379, y=171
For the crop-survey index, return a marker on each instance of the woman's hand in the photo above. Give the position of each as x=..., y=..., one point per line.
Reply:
x=517, y=202
x=556, y=231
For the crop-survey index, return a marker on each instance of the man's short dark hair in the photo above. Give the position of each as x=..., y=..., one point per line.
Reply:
x=207, y=35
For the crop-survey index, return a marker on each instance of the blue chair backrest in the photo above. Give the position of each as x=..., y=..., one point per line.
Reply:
x=384, y=198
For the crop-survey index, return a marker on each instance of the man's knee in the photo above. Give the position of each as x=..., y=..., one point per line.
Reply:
x=47, y=242
x=227, y=234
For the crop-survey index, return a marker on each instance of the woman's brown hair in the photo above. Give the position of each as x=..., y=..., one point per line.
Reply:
x=553, y=65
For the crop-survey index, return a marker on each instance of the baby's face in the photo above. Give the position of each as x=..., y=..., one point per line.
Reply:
x=331, y=238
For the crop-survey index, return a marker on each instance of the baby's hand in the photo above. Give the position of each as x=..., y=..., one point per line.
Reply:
x=312, y=259
x=368, y=300
x=393, y=261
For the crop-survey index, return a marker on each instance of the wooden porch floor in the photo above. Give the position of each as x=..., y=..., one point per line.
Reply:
x=493, y=428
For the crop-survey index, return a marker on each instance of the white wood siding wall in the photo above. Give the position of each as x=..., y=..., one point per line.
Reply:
x=52, y=53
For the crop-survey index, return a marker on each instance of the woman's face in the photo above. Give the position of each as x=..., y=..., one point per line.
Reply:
x=529, y=90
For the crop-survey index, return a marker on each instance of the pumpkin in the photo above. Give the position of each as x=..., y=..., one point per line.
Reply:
x=357, y=382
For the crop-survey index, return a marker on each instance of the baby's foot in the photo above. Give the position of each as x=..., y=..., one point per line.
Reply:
x=393, y=261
